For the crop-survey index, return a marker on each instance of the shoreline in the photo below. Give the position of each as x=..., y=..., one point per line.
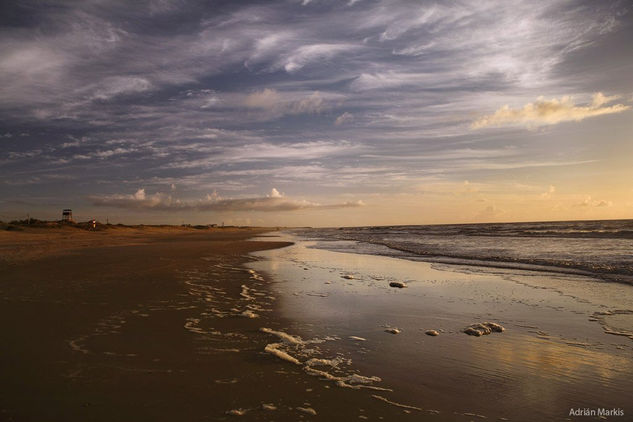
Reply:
x=213, y=325
x=158, y=327
x=597, y=252
x=557, y=333
x=100, y=328
x=501, y=264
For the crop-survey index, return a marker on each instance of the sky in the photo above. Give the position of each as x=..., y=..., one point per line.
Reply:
x=316, y=112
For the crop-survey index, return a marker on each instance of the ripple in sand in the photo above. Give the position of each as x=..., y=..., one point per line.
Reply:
x=191, y=325
x=317, y=294
x=245, y=293
x=308, y=410
x=249, y=314
x=75, y=345
x=474, y=415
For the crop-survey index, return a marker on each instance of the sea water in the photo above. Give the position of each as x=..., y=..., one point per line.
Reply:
x=603, y=249
x=568, y=336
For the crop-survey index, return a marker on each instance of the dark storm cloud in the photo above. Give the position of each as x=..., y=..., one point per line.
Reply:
x=241, y=96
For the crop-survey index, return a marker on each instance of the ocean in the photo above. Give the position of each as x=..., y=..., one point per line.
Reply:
x=602, y=249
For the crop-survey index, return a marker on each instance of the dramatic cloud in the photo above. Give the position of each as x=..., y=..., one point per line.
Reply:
x=333, y=99
x=275, y=201
x=550, y=112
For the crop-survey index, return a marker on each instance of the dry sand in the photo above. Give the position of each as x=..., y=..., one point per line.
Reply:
x=31, y=243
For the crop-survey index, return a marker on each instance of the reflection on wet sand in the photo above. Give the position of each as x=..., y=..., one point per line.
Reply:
x=553, y=355
x=554, y=360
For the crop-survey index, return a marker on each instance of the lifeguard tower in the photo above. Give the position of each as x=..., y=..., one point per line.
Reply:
x=67, y=216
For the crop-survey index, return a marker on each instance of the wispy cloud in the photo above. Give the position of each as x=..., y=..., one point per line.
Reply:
x=307, y=54
x=276, y=103
x=330, y=99
x=264, y=152
x=117, y=85
x=344, y=118
x=549, y=112
x=275, y=201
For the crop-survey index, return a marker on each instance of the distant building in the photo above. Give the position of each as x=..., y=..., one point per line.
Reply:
x=67, y=216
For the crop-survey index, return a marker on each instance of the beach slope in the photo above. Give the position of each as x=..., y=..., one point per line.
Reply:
x=102, y=325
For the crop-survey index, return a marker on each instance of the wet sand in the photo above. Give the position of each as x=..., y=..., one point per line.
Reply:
x=568, y=340
x=172, y=324
x=150, y=325
x=107, y=331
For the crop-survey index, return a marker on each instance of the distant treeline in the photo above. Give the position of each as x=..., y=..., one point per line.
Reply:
x=87, y=225
x=36, y=223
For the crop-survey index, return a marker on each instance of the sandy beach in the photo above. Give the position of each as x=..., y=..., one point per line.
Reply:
x=101, y=325
x=179, y=324
x=157, y=324
x=316, y=210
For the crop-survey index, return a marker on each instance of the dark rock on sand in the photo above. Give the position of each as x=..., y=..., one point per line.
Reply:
x=397, y=284
x=432, y=333
x=483, y=328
